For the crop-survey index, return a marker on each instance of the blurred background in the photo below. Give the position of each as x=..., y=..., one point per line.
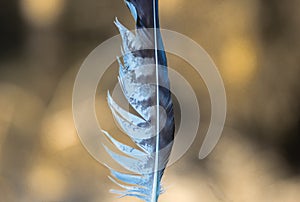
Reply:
x=255, y=44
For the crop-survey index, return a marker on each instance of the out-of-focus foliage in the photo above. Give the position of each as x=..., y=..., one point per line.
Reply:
x=253, y=42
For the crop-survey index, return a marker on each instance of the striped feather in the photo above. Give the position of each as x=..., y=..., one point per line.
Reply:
x=143, y=77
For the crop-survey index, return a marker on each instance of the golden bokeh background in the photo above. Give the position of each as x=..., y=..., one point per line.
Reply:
x=253, y=42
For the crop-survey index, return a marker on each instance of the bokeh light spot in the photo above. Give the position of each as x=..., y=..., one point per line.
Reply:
x=238, y=61
x=47, y=182
x=42, y=12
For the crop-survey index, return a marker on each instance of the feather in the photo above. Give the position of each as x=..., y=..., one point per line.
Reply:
x=143, y=78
